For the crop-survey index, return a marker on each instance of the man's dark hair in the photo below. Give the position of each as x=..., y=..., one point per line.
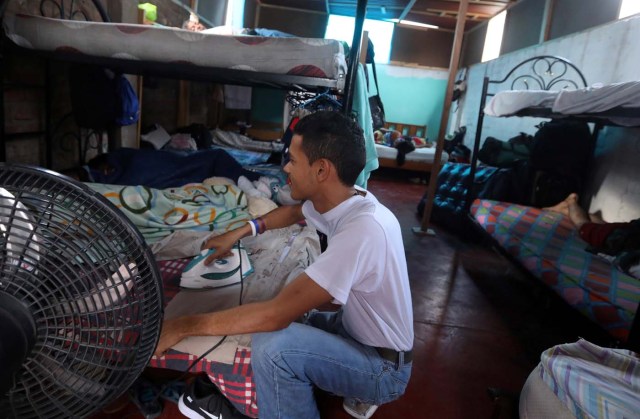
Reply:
x=333, y=136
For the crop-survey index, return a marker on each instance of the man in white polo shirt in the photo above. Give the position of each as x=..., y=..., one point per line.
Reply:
x=361, y=352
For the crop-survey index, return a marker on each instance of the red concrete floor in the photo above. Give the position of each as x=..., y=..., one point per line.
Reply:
x=479, y=323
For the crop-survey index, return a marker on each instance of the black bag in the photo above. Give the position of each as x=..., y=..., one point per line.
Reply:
x=559, y=158
x=509, y=184
x=549, y=188
x=94, y=102
x=375, y=102
x=564, y=147
x=201, y=135
x=100, y=98
x=505, y=153
x=377, y=111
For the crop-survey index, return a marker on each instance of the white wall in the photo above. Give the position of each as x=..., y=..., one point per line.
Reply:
x=609, y=53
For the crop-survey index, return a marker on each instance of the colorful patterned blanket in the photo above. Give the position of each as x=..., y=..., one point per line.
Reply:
x=547, y=244
x=196, y=206
x=593, y=382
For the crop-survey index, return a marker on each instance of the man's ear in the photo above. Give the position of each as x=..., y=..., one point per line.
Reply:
x=323, y=169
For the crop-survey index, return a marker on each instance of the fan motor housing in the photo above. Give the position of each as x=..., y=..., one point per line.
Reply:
x=17, y=337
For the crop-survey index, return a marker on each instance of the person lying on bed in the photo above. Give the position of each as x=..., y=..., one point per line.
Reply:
x=619, y=240
x=361, y=352
x=164, y=169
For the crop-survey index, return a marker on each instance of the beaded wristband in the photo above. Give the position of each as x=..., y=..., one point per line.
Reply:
x=261, y=227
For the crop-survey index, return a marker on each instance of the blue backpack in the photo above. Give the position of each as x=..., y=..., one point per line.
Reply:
x=129, y=111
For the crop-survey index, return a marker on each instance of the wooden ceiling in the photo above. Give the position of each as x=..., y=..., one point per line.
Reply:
x=441, y=13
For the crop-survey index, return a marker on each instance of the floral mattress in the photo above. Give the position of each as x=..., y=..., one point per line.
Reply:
x=308, y=57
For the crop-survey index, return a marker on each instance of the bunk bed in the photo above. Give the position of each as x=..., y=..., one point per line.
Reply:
x=308, y=65
x=303, y=64
x=545, y=243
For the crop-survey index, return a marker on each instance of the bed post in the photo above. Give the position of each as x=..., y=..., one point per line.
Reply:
x=633, y=341
x=354, y=55
x=424, y=229
x=476, y=146
x=3, y=149
x=48, y=95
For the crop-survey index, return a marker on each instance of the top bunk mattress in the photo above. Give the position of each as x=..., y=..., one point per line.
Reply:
x=599, y=98
x=307, y=57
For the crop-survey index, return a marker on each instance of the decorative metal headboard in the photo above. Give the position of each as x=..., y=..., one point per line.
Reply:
x=63, y=132
x=544, y=72
x=75, y=10
x=69, y=10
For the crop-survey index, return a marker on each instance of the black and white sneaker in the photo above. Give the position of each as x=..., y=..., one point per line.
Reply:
x=202, y=399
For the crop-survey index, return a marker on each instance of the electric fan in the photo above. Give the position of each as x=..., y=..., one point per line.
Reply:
x=80, y=297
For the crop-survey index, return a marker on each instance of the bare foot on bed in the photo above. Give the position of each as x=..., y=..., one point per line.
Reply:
x=563, y=207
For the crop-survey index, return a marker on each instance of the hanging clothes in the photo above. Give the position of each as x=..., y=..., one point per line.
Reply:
x=305, y=103
x=363, y=115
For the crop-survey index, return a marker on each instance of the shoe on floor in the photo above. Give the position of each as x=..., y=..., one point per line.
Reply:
x=358, y=409
x=145, y=395
x=202, y=399
x=172, y=391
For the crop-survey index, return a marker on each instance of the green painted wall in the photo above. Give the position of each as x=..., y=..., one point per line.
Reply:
x=412, y=95
x=267, y=104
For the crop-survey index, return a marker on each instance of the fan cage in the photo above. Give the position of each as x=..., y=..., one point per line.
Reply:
x=92, y=286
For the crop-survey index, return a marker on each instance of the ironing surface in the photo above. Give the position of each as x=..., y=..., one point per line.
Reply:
x=272, y=272
x=219, y=273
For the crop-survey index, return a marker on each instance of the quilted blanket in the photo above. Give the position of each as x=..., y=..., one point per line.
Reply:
x=197, y=206
x=548, y=245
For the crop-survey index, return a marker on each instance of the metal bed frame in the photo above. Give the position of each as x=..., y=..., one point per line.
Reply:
x=73, y=10
x=544, y=73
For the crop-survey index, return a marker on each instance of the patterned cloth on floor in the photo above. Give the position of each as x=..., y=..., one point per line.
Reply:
x=592, y=381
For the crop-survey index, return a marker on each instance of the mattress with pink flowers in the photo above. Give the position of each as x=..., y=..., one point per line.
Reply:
x=313, y=58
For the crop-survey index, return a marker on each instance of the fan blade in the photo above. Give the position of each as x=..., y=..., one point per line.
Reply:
x=17, y=229
x=111, y=292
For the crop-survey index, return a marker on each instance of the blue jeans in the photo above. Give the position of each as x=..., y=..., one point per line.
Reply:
x=288, y=364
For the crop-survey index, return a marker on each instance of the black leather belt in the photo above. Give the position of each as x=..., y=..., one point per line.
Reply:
x=394, y=356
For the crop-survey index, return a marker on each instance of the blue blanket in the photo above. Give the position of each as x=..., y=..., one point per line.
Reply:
x=164, y=169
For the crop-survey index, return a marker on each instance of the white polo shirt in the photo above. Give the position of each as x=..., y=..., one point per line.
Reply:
x=365, y=270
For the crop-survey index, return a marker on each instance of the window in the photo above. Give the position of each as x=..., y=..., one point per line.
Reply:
x=628, y=8
x=493, y=41
x=380, y=33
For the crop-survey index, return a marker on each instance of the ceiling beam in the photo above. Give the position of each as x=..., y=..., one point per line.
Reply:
x=488, y=10
x=444, y=22
x=407, y=9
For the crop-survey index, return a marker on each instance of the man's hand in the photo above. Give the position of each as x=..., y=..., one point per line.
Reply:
x=222, y=243
x=171, y=335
